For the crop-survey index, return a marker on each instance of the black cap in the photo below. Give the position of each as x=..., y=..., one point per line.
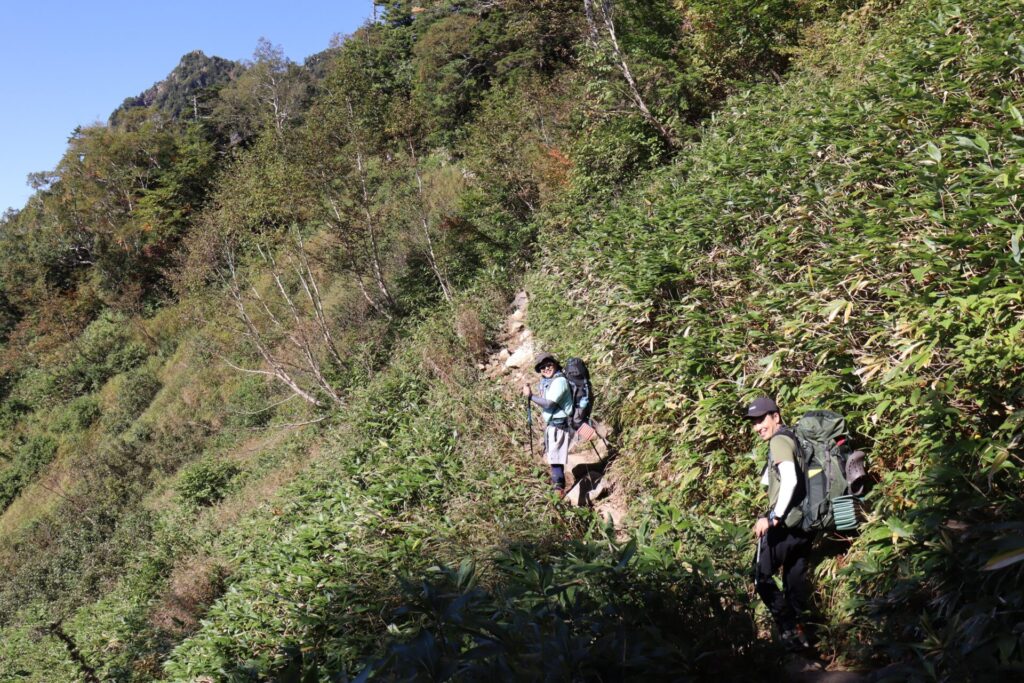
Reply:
x=761, y=406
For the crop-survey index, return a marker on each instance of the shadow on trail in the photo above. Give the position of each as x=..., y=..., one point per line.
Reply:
x=586, y=611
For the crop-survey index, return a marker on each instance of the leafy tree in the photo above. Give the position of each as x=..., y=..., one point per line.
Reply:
x=347, y=170
x=658, y=68
x=430, y=211
x=541, y=35
x=270, y=93
x=451, y=73
x=260, y=193
x=9, y=314
x=89, y=216
x=395, y=13
x=463, y=52
x=183, y=188
x=604, y=40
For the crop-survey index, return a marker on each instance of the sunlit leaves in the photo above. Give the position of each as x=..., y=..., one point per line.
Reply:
x=1006, y=558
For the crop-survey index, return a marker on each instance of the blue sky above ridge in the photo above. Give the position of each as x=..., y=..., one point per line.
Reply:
x=71, y=64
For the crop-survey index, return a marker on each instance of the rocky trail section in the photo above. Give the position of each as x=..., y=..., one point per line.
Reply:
x=590, y=472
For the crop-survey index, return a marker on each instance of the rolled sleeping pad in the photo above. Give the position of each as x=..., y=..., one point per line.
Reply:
x=846, y=512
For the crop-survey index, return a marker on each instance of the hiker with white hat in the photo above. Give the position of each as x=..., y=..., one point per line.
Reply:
x=555, y=400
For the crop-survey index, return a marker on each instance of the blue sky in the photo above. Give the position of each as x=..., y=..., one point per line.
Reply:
x=72, y=63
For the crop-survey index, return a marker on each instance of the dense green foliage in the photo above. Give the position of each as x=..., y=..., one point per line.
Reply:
x=244, y=434
x=844, y=242
x=24, y=465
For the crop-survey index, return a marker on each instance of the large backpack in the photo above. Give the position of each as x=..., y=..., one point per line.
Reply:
x=824, y=445
x=578, y=376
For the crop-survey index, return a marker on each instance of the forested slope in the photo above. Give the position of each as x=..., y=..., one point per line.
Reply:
x=246, y=435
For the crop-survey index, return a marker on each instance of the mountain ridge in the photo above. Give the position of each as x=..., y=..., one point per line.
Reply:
x=177, y=94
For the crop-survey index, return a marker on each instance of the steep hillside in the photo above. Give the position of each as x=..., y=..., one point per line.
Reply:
x=849, y=240
x=252, y=427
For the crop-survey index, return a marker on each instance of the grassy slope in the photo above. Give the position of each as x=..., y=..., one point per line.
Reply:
x=402, y=480
x=410, y=480
x=185, y=419
x=851, y=240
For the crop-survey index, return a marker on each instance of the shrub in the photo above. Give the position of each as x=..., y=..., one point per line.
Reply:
x=30, y=457
x=133, y=393
x=206, y=482
x=600, y=611
x=106, y=348
x=77, y=415
x=848, y=242
x=34, y=389
x=248, y=402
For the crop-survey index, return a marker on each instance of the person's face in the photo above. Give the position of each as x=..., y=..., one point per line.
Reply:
x=767, y=425
x=547, y=370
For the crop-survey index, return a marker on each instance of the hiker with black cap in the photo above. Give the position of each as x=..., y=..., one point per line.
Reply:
x=555, y=401
x=781, y=542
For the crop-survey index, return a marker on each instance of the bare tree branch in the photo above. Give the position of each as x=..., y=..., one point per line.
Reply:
x=424, y=222
x=313, y=293
x=298, y=336
x=277, y=368
x=593, y=36
x=264, y=409
x=371, y=229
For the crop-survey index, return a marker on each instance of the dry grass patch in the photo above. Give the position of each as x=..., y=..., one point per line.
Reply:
x=270, y=438
x=193, y=586
x=39, y=497
x=256, y=493
x=471, y=331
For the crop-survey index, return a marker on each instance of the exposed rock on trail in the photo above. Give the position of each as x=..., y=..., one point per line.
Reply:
x=590, y=476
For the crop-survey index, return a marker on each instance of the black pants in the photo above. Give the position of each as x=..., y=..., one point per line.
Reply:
x=789, y=549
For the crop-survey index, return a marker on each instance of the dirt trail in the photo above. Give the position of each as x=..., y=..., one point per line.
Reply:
x=590, y=472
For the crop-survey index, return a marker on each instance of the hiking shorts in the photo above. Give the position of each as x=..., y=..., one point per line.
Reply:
x=556, y=444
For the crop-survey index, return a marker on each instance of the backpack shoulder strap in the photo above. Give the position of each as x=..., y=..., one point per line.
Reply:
x=801, y=457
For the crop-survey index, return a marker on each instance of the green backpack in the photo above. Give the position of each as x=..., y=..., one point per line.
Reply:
x=824, y=450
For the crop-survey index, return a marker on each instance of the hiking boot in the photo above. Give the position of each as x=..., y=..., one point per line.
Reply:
x=794, y=639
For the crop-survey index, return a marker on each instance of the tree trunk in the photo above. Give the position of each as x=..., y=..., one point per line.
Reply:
x=88, y=672
x=620, y=61
x=425, y=224
x=278, y=369
x=375, y=260
x=371, y=232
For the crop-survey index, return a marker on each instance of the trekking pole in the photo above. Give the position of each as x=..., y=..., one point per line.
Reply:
x=529, y=426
